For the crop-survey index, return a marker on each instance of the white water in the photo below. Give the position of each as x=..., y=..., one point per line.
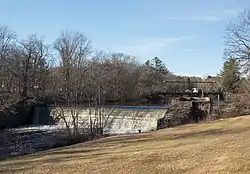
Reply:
x=117, y=120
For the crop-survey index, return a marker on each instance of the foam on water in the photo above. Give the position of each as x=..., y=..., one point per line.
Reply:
x=122, y=120
x=117, y=120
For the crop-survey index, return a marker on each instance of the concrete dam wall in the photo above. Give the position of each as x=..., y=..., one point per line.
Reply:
x=114, y=120
x=33, y=138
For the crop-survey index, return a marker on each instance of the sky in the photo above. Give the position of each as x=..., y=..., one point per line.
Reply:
x=187, y=35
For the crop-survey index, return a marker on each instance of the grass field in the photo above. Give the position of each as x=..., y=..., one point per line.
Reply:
x=222, y=146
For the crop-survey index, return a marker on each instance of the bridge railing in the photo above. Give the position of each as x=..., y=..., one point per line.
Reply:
x=181, y=86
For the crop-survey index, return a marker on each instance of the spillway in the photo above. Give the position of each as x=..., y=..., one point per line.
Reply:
x=115, y=120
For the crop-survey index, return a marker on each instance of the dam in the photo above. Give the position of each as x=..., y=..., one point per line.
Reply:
x=115, y=119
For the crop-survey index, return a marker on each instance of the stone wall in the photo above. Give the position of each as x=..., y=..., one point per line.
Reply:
x=180, y=113
x=177, y=114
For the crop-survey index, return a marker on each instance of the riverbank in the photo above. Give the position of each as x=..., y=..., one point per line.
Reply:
x=220, y=146
x=30, y=139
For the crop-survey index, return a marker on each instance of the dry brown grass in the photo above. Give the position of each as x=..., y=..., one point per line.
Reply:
x=222, y=146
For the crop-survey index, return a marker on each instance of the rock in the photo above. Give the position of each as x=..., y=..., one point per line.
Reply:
x=177, y=114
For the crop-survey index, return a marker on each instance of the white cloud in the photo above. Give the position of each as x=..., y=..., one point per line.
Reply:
x=214, y=16
x=150, y=47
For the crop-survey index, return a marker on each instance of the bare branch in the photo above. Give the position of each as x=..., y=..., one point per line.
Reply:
x=237, y=40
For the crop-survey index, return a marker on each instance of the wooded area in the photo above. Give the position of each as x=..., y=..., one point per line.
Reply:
x=71, y=70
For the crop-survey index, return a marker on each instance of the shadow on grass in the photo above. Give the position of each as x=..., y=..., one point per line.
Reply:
x=213, y=132
x=19, y=169
x=122, y=139
x=69, y=152
x=197, y=134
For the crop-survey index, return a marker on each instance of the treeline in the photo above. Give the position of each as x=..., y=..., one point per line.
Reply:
x=70, y=70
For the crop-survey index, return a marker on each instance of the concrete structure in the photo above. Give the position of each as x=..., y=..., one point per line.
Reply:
x=114, y=120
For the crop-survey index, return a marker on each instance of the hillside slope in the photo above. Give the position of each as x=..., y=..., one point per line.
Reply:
x=222, y=146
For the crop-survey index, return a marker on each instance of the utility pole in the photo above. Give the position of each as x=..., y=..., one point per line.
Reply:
x=189, y=83
x=218, y=99
x=99, y=111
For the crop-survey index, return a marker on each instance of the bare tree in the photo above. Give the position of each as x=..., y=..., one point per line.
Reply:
x=27, y=65
x=33, y=56
x=237, y=40
x=73, y=50
x=7, y=38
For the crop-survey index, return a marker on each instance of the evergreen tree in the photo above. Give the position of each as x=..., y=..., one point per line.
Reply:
x=230, y=75
x=147, y=63
x=158, y=65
